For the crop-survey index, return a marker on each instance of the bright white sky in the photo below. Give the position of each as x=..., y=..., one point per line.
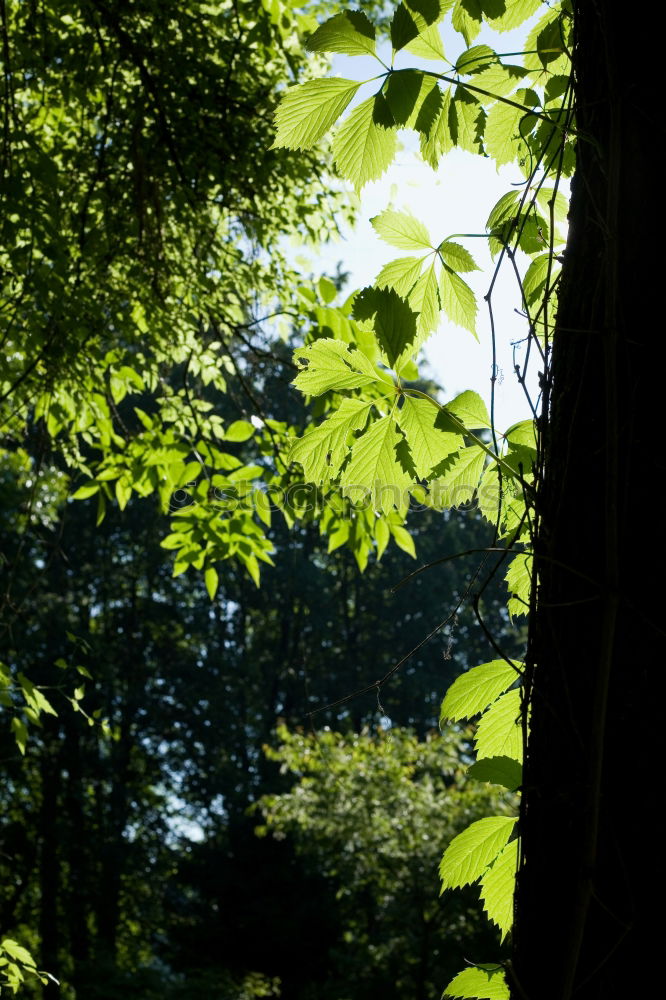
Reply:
x=456, y=199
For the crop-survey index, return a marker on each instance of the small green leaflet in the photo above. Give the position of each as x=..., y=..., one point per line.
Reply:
x=308, y=110
x=499, y=79
x=365, y=143
x=499, y=733
x=349, y=32
x=506, y=130
x=503, y=771
x=427, y=443
x=438, y=139
x=427, y=44
x=457, y=485
x=469, y=854
x=424, y=299
x=374, y=473
x=477, y=688
x=480, y=983
x=458, y=301
x=457, y=257
x=211, y=579
x=536, y=276
x=400, y=274
x=403, y=539
x=467, y=121
x=514, y=13
x=403, y=28
x=394, y=320
x=239, y=430
x=470, y=409
x=519, y=581
x=330, y=364
x=466, y=20
x=322, y=451
x=406, y=90
x=401, y=230
x=497, y=887
x=475, y=59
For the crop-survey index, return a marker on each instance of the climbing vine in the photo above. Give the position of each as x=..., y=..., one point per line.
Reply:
x=383, y=442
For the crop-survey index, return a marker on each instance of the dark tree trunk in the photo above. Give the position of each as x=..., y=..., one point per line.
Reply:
x=590, y=847
x=49, y=857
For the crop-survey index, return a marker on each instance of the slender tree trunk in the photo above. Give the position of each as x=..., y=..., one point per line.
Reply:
x=49, y=857
x=589, y=844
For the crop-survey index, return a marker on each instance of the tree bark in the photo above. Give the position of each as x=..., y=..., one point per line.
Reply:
x=589, y=849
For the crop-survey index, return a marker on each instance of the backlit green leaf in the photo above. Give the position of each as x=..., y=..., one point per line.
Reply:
x=365, y=143
x=469, y=854
x=497, y=888
x=477, y=688
x=438, y=140
x=394, y=320
x=424, y=299
x=322, y=450
x=400, y=274
x=374, y=474
x=475, y=59
x=402, y=230
x=499, y=771
x=330, y=364
x=499, y=733
x=519, y=582
x=427, y=443
x=479, y=984
x=427, y=44
x=500, y=79
x=457, y=257
x=349, y=32
x=211, y=579
x=458, y=300
x=308, y=110
x=470, y=409
x=457, y=484
x=513, y=13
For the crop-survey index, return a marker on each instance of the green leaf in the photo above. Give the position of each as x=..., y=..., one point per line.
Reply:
x=365, y=143
x=424, y=300
x=497, y=888
x=322, y=450
x=400, y=274
x=403, y=539
x=514, y=13
x=519, y=582
x=403, y=28
x=428, y=445
x=479, y=984
x=394, y=320
x=308, y=110
x=83, y=492
x=402, y=230
x=239, y=430
x=349, y=32
x=477, y=688
x=536, y=276
x=470, y=409
x=467, y=121
x=403, y=91
x=467, y=18
x=458, y=300
x=475, y=59
x=20, y=732
x=439, y=139
x=374, y=473
x=505, y=132
x=427, y=44
x=469, y=854
x=330, y=364
x=499, y=733
x=500, y=79
x=457, y=257
x=460, y=479
x=382, y=536
x=499, y=771
x=212, y=580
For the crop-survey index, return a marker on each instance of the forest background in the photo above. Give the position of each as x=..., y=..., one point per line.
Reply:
x=148, y=316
